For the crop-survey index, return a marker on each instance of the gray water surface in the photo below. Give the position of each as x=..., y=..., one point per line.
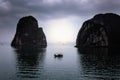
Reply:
x=42, y=65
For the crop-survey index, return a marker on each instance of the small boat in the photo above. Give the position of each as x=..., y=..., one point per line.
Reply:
x=58, y=55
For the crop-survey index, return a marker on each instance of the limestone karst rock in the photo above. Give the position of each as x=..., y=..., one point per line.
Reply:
x=103, y=30
x=28, y=34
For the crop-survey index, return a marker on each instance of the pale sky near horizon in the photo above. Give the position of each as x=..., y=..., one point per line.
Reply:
x=60, y=19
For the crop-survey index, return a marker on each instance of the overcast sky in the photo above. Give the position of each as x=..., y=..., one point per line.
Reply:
x=76, y=11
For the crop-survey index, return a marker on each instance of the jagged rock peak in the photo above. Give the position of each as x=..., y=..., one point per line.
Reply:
x=108, y=15
x=29, y=34
x=27, y=22
x=100, y=31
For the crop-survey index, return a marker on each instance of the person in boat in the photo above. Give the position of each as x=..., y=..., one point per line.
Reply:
x=58, y=55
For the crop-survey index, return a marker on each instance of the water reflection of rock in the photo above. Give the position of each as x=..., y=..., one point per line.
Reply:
x=29, y=63
x=100, y=64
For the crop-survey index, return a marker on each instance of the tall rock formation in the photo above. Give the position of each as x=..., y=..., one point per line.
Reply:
x=103, y=30
x=28, y=34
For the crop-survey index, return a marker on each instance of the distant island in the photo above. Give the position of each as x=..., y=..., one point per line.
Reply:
x=103, y=30
x=28, y=34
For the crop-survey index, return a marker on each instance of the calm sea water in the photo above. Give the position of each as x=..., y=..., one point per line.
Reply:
x=97, y=64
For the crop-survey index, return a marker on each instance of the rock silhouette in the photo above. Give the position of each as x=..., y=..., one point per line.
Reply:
x=101, y=31
x=28, y=34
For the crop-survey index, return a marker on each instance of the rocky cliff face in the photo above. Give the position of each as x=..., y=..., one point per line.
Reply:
x=28, y=34
x=101, y=31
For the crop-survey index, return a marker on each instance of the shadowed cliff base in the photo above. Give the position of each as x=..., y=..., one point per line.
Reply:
x=28, y=34
x=100, y=31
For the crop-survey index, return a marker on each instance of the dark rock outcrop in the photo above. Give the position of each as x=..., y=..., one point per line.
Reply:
x=103, y=30
x=28, y=34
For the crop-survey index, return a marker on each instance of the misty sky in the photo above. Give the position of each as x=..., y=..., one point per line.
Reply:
x=50, y=13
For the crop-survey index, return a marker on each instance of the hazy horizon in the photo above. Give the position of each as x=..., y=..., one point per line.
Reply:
x=60, y=19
